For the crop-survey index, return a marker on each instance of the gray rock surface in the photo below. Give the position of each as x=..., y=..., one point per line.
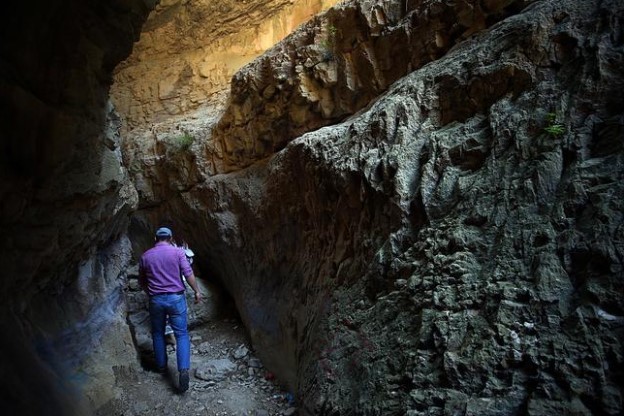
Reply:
x=335, y=65
x=65, y=204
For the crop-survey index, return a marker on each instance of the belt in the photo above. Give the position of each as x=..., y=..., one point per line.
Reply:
x=169, y=293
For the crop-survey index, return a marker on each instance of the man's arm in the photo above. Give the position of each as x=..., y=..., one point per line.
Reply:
x=190, y=279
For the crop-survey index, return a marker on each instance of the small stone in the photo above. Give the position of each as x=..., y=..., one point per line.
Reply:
x=260, y=412
x=133, y=271
x=241, y=352
x=215, y=370
x=290, y=411
x=400, y=283
x=133, y=285
x=255, y=363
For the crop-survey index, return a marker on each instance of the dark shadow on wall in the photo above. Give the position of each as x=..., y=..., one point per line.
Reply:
x=32, y=382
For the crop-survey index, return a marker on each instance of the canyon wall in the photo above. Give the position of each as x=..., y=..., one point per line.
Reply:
x=65, y=204
x=452, y=246
x=336, y=65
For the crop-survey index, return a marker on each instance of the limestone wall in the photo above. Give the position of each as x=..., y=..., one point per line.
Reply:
x=335, y=66
x=189, y=50
x=450, y=241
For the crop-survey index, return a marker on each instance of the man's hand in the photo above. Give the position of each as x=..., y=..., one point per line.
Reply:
x=190, y=279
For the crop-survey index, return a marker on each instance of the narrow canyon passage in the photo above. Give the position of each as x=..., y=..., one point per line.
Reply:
x=227, y=377
x=414, y=207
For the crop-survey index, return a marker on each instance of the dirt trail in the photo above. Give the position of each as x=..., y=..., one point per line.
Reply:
x=244, y=390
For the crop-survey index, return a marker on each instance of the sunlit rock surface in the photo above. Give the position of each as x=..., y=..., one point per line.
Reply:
x=335, y=66
x=189, y=50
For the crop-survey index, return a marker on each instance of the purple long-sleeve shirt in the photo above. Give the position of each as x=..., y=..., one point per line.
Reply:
x=161, y=268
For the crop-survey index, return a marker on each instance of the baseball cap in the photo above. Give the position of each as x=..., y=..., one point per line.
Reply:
x=164, y=232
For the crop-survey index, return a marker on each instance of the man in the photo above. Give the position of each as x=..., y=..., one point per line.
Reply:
x=160, y=274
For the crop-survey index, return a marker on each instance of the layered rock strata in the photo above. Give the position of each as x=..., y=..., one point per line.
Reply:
x=453, y=248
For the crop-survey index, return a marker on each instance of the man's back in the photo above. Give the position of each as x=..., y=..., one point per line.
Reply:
x=162, y=267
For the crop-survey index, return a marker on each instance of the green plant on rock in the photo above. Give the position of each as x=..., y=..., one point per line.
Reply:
x=329, y=40
x=331, y=33
x=553, y=128
x=185, y=141
x=180, y=142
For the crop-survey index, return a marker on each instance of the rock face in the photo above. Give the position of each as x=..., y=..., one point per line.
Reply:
x=189, y=50
x=335, y=65
x=455, y=247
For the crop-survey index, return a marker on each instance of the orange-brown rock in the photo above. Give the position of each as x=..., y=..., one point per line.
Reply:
x=189, y=50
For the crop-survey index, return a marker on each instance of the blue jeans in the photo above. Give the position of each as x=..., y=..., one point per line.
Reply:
x=172, y=306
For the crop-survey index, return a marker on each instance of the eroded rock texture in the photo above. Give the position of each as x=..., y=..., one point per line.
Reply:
x=335, y=66
x=453, y=248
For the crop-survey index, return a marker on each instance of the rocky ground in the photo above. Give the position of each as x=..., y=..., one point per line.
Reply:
x=226, y=377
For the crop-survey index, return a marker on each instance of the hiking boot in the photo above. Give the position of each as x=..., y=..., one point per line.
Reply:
x=184, y=380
